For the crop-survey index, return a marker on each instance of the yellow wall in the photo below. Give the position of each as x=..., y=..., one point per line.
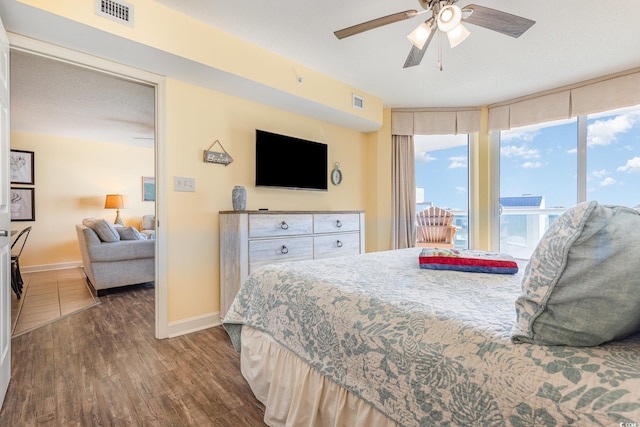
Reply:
x=72, y=178
x=379, y=218
x=482, y=193
x=195, y=118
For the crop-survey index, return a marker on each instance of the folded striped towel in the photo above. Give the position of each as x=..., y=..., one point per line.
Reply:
x=467, y=260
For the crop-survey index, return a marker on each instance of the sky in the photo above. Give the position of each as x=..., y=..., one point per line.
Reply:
x=542, y=161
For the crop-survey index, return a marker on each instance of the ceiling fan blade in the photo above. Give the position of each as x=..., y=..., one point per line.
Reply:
x=375, y=23
x=416, y=55
x=496, y=20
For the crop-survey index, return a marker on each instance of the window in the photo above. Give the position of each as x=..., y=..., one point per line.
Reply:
x=613, y=157
x=543, y=168
x=442, y=178
x=538, y=172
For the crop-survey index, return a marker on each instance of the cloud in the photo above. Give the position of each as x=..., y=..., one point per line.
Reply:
x=607, y=181
x=531, y=165
x=633, y=165
x=520, y=151
x=604, y=132
x=600, y=174
x=519, y=134
x=461, y=190
x=424, y=157
x=458, y=162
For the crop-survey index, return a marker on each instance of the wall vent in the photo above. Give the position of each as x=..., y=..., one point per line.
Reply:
x=358, y=102
x=118, y=11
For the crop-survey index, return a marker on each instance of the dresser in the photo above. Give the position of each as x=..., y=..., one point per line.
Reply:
x=251, y=239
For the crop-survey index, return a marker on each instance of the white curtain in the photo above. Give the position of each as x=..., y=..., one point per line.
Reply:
x=403, y=192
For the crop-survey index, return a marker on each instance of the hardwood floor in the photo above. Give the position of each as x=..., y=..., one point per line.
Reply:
x=103, y=366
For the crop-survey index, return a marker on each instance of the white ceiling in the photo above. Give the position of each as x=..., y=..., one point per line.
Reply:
x=572, y=41
x=53, y=97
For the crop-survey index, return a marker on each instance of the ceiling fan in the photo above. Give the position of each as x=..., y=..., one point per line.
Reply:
x=447, y=17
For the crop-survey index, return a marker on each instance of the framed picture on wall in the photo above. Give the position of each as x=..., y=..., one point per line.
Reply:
x=148, y=189
x=23, y=204
x=21, y=167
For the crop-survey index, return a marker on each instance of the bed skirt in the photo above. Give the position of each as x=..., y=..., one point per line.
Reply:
x=295, y=394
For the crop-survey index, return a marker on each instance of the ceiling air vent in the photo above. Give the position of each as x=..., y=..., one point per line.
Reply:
x=118, y=11
x=358, y=102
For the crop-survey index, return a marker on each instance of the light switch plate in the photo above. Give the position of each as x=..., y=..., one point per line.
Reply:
x=182, y=183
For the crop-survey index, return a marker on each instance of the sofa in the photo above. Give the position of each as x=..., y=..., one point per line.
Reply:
x=114, y=256
x=148, y=226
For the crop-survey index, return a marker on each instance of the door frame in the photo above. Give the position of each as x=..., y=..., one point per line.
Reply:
x=36, y=47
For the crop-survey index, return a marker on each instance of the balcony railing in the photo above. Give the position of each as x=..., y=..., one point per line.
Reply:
x=520, y=229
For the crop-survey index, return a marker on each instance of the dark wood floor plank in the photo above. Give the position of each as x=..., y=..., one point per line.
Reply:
x=103, y=367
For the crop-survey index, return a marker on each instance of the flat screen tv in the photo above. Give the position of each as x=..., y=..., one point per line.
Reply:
x=288, y=162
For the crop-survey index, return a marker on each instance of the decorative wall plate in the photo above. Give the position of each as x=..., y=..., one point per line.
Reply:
x=336, y=174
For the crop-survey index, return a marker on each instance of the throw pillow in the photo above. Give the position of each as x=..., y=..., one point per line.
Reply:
x=104, y=229
x=130, y=233
x=581, y=286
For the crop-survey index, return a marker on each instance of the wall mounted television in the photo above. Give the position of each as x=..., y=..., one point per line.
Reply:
x=287, y=162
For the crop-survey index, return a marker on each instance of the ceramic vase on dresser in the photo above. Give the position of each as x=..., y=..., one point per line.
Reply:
x=239, y=198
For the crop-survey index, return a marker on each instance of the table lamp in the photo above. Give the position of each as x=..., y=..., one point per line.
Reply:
x=115, y=201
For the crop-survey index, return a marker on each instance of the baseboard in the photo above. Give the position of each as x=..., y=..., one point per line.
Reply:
x=193, y=324
x=49, y=267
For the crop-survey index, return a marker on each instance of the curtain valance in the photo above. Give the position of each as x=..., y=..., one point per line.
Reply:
x=435, y=122
x=598, y=95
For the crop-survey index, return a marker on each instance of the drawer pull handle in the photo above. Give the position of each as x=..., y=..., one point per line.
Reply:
x=338, y=224
x=284, y=250
x=339, y=244
x=284, y=225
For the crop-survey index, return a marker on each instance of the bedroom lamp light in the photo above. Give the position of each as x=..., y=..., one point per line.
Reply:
x=115, y=201
x=420, y=35
x=449, y=21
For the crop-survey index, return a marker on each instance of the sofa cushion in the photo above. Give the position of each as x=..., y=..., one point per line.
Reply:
x=148, y=222
x=105, y=230
x=124, y=250
x=581, y=286
x=130, y=233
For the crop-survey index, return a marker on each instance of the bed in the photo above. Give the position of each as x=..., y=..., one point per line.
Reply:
x=375, y=340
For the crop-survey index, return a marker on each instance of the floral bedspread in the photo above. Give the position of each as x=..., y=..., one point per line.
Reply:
x=430, y=347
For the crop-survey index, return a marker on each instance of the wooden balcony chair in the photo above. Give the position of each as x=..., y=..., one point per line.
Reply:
x=435, y=228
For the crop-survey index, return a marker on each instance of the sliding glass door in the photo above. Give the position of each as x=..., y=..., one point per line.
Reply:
x=547, y=168
x=442, y=178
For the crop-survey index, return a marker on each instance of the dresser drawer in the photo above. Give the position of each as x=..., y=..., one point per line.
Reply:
x=335, y=222
x=270, y=251
x=268, y=225
x=333, y=245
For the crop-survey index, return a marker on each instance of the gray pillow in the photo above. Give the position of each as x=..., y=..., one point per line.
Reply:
x=581, y=286
x=105, y=230
x=130, y=233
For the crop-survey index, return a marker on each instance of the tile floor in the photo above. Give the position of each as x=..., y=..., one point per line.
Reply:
x=48, y=296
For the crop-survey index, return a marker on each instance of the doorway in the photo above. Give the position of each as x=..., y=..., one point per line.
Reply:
x=101, y=69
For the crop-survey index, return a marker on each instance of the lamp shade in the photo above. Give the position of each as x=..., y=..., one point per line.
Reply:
x=114, y=201
x=449, y=18
x=420, y=35
x=457, y=35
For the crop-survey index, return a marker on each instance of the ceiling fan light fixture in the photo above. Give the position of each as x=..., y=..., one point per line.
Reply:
x=420, y=35
x=457, y=35
x=449, y=18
